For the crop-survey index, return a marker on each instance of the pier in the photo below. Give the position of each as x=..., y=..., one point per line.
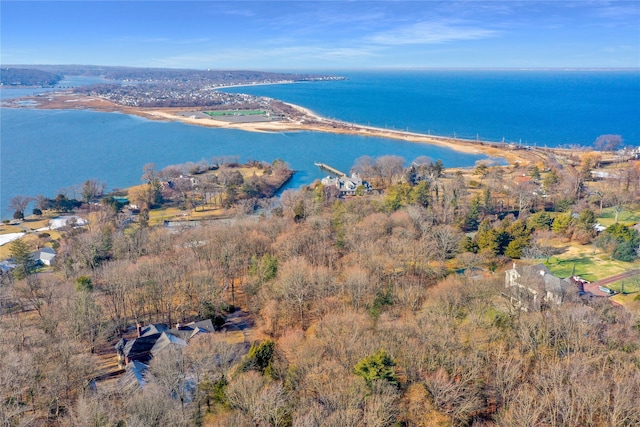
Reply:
x=330, y=169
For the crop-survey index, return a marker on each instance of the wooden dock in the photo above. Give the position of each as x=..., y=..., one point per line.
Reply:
x=330, y=169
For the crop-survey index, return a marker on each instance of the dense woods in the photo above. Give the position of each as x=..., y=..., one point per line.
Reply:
x=374, y=310
x=48, y=75
x=28, y=77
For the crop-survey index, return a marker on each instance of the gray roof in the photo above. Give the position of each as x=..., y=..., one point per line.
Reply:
x=133, y=378
x=140, y=348
x=165, y=341
x=156, y=328
x=540, y=276
x=45, y=254
x=190, y=330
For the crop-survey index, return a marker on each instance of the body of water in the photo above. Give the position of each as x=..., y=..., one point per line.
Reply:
x=545, y=108
x=43, y=152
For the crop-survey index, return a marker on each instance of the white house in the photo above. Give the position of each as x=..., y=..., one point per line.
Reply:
x=45, y=256
x=346, y=185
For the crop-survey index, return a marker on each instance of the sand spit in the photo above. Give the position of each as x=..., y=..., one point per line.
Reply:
x=307, y=120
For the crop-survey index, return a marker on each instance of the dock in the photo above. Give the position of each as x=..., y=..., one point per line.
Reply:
x=330, y=169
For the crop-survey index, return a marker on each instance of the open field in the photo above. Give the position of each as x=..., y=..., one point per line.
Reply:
x=235, y=113
x=626, y=217
x=629, y=301
x=631, y=285
x=580, y=260
x=9, y=228
x=158, y=216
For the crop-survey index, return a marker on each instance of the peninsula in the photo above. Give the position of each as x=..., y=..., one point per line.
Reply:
x=263, y=115
x=193, y=97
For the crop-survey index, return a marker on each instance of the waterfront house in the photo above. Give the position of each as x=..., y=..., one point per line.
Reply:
x=346, y=185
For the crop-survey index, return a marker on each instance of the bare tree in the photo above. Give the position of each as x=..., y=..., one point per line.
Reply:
x=91, y=189
x=19, y=204
x=390, y=167
x=608, y=142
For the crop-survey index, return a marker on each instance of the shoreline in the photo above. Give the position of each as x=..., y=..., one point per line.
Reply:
x=307, y=120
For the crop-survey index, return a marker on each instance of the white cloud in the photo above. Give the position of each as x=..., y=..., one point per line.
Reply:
x=292, y=55
x=432, y=32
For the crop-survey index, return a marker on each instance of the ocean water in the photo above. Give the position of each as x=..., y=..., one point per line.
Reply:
x=44, y=152
x=543, y=108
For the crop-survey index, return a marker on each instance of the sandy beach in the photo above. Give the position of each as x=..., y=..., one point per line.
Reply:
x=307, y=120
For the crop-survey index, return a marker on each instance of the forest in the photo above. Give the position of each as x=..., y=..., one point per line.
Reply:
x=382, y=309
x=28, y=77
x=145, y=74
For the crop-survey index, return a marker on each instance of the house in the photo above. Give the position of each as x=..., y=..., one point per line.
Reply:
x=167, y=341
x=346, y=185
x=533, y=287
x=44, y=256
x=153, y=339
x=190, y=330
x=67, y=221
x=133, y=379
x=7, y=266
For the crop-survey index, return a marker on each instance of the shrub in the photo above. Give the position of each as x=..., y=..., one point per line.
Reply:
x=259, y=357
x=84, y=284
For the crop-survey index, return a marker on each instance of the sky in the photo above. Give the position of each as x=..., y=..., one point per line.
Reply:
x=317, y=35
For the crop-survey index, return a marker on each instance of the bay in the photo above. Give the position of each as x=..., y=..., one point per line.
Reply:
x=45, y=151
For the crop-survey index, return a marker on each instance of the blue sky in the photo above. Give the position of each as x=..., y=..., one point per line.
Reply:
x=315, y=35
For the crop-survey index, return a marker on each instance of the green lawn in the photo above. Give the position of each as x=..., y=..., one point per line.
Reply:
x=588, y=266
x=607, y=217
x=235, y=113
x=631, y=285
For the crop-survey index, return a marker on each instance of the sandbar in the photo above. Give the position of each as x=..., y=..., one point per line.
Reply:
x=304, y=120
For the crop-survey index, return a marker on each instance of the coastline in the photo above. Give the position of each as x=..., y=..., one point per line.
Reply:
x=305, y=120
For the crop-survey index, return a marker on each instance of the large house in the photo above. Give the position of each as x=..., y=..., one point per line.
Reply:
x=346, y=185
x=135, y=355
x=533, y=287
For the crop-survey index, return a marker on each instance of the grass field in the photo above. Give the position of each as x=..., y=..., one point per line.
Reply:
x=588, y=265
x=607, y=217
x=631, y=285
x=629, y=301
x=235, y=113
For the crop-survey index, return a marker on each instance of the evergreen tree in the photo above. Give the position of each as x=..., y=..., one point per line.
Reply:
x=21, y=255
x=378, y=366
x=562, y=223
x=421, y=193
x=540, y=221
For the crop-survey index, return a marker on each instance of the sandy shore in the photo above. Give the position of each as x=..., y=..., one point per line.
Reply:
x=306, y=121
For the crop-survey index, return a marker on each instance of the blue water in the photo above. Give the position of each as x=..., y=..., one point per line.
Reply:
x=67, y=82
x=44, y=152
x=544, y=108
